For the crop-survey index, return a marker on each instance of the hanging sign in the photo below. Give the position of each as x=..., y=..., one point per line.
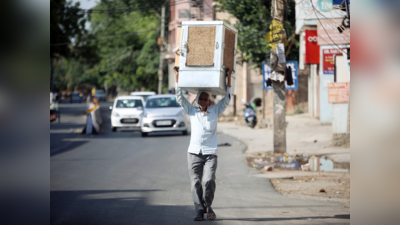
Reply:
x=275, y=36
x=266, y=71
x=280, y=48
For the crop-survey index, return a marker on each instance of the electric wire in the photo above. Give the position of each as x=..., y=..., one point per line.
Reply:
x=319, y=12
x=122, y=10
x=333, y=8
x=112, y=37
x=333, y=21
x=327, y=31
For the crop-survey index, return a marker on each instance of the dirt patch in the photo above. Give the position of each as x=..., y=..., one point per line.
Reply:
x=330, y=186
x=327, y=186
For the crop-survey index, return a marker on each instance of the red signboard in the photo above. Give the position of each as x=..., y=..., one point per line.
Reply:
x=338, y=92
x=328, y=63
x=312, y=47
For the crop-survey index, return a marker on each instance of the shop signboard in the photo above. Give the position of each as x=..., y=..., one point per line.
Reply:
x=306, y=10
x=328, y=62
x=338, y=92
x=328, y=33
x=312, y=47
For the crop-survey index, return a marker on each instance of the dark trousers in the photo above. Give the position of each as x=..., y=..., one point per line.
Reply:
x=202, y=176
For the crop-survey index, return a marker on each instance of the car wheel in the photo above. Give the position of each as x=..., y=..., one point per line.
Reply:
x=184, y=132
x=144, y=134
x=114, y=129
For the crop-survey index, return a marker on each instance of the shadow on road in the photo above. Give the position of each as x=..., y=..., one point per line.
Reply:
x=63, y=126
x=132, y=207
x=344, y=216
x=58, y=145
x=113, y=207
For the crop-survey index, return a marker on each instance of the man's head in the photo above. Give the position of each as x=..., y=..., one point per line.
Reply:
x=204, y=100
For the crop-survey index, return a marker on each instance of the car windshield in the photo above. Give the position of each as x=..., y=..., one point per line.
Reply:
x=100, y=92
x=161, y=102
x=129, y=103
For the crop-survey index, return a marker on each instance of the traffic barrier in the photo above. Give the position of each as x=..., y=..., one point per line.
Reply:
x=94, y=119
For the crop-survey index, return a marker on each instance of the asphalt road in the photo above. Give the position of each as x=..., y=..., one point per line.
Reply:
x=122, y=178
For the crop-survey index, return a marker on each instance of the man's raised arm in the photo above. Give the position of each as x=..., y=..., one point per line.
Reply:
x=180, y=99
x=223, y=104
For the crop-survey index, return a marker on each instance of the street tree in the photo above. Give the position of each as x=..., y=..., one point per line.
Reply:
x=67, y=21
x=254, y=18
x=130, y=58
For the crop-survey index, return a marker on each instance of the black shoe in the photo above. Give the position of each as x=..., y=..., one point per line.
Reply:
x=200, y=215
x=210, y=214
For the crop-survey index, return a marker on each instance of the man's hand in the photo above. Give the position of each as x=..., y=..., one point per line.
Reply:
x=176, y=71
x=229, y=77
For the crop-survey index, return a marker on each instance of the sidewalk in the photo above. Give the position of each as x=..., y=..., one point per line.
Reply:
x=304, y=134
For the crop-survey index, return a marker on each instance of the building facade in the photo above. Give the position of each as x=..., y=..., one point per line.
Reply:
x=317, y=25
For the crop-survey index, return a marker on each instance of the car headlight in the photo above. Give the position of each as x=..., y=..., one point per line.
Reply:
x=116, y=114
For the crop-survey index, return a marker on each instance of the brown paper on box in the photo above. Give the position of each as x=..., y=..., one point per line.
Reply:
x=229, y=50
x=178, y=42
x=201, y=45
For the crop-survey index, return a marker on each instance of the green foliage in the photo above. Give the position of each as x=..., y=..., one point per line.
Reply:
x=120, y=48
x=254, y=19
x=131, y=61
x=66, y=22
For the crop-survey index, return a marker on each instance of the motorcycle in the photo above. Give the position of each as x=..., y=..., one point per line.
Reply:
x=250, y=116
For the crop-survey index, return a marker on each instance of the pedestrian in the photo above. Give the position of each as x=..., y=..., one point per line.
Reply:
x=202, y=152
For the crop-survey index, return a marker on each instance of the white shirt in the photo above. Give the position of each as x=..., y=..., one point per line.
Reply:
x=204, y=125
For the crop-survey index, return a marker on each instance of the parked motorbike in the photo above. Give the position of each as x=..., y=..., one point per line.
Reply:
x=250, y=116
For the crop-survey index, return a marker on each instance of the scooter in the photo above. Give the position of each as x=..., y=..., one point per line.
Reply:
x=250, y=116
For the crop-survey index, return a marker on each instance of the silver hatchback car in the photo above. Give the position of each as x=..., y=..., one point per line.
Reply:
x=163, y=113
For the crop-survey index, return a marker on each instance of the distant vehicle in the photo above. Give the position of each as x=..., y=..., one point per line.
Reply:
x=144, y=94
x=75, y=97
x=65, y=94
x=250, y=115
x=163, y=113
x=100, y=95
x=54, y=113
x=127, y=112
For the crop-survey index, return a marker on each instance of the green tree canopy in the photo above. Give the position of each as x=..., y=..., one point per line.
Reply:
x=254, y=19
x=120, y=48
x=67, y=21
x=131, y=60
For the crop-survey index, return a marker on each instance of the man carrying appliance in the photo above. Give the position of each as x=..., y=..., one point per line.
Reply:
x=202, y=152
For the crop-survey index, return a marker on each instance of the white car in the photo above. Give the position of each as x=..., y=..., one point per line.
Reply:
x=127, y=112
x=162, y=113
x=144, y=94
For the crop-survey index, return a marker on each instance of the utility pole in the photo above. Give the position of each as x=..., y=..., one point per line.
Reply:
x=161, y=66
x=279, y=96
x=198, y=10
x=51, y=74
x=244, y=81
